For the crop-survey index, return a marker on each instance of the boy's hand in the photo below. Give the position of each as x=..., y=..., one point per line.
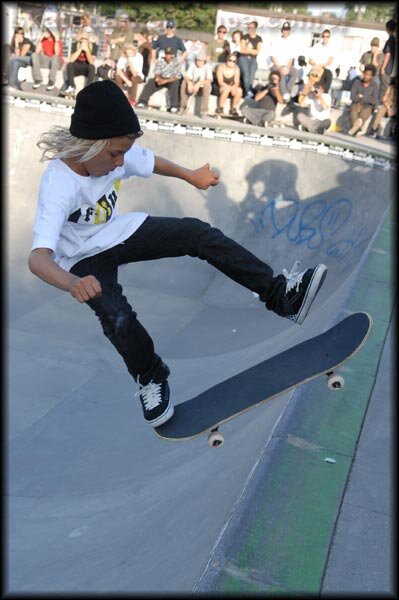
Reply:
x=202, y=178
x=85, y=288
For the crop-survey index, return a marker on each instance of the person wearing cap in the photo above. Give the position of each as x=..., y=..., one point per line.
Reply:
x=169, y=40
x=374, y=56
x=251, y=45
x=322, y=55
x=80, y=240
x=167, y=74
x=197, y=80
x=283, y=56
x=80, y=62
x=119, y=37
x=48, y=53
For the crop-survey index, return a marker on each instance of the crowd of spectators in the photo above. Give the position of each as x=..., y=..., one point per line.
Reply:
x=225, y=67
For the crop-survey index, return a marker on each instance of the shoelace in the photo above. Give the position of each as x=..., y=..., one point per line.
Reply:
x=150, y=395
x=294, y=278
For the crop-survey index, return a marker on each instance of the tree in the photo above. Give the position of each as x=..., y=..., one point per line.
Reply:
x=370, y=12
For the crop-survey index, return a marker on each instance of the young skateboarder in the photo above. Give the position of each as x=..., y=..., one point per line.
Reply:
x=80, y=240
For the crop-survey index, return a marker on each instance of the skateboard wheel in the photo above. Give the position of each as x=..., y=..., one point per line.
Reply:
x=215, y=439
x=335, y=382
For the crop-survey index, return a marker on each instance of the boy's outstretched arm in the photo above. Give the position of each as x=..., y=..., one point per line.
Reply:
x=200, y=178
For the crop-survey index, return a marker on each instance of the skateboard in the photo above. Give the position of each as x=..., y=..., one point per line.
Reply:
x=317, y=356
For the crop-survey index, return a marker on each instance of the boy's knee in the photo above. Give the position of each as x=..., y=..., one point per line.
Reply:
x=118, y=323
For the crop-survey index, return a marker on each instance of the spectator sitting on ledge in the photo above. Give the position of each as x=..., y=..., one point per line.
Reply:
x=364, y=96
x=167, y=74
x=318, y=120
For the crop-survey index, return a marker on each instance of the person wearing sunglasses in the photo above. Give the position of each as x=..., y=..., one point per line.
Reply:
x=227, y=85
x=80, y=240
x=218, y=48
x=322, y=55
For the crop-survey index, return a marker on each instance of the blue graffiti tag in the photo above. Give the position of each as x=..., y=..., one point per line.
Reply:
x=312, y=224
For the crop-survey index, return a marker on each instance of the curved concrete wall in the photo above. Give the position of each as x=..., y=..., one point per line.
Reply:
x=97, y=502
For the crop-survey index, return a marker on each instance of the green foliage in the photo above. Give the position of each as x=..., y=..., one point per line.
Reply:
x=373, y=12
x=200, y=16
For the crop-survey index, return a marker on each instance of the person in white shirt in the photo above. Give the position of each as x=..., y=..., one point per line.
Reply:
x=80, y=240
x=322, y=54
x=129, y=71
x=283, y=56
x=197, y=81
x=319, y=104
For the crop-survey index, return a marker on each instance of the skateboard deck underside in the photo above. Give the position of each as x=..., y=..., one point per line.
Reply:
x=268, y=379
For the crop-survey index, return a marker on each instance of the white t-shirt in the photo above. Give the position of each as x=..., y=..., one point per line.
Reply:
x=317, y=111
x=320, y=53
x=76, y=216
x=284, y=49
x=199, y=73
x=136, y=62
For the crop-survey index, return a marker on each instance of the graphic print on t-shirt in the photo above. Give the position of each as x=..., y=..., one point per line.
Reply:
x=101, y=213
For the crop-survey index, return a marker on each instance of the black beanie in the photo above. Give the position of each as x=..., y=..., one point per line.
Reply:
x=102, y=111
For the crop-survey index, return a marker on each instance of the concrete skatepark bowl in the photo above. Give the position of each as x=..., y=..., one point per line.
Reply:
x=96, y=502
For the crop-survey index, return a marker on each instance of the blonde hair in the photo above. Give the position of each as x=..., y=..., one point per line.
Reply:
x=58, y=142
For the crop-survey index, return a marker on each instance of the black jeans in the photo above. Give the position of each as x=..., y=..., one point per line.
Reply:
x=163, y=237
x=173, y=90
x=79, y=68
